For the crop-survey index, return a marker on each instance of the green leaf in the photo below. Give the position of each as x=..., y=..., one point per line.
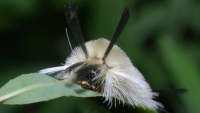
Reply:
x=34, y=87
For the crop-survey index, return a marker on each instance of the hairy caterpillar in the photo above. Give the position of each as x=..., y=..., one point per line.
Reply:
x=102, y=66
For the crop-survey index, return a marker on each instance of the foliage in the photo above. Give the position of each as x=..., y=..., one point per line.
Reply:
x=31, y=88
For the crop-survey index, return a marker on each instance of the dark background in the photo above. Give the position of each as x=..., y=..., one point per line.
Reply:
x=162, y=38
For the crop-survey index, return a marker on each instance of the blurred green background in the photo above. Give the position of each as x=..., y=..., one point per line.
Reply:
x=162, y=38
